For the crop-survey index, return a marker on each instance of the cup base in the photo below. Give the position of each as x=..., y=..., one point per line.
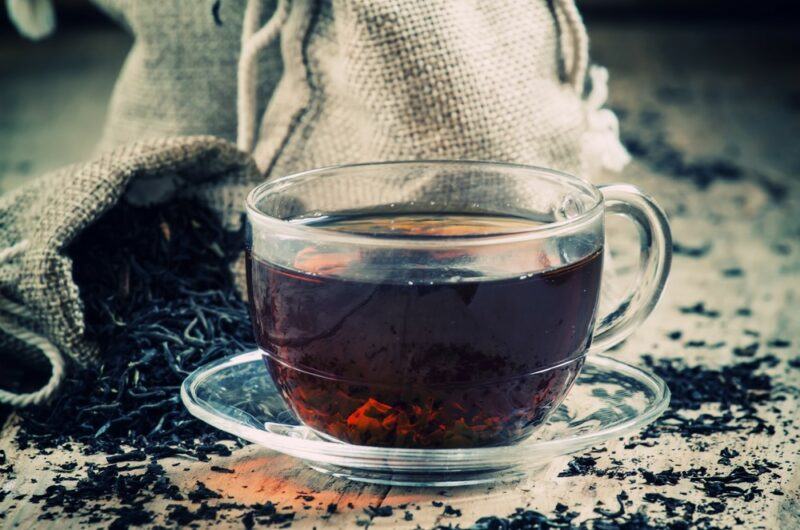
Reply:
x=426, y=479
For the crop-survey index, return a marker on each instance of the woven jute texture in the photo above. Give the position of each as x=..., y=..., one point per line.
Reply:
x=179, y=77
x=44, y=217
x=368, y=80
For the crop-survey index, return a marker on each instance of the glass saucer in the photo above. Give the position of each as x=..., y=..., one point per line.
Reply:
x=609, y=399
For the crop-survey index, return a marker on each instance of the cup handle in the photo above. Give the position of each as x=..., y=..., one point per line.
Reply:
x=656, y=257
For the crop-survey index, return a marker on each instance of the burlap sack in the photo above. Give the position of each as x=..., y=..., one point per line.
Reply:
x=368, y=80
x=179, y=77
x=41, y=312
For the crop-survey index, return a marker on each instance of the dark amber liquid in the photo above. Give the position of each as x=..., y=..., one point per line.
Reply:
x=466, y=363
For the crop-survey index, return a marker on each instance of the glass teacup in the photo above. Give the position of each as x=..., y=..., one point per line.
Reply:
x=437, y=304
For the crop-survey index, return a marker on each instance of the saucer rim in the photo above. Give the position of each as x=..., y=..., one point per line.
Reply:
x=332, y=452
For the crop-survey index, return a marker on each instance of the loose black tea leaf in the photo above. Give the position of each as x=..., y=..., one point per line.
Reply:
x=746, y=351
x=132, y=456
x=580, y=465
x=379, y=511
x=523, y=520
x=449, y=511
x=700, y=309
x=733, y=272
x=202, y=493
x=662, y=478
x=672, y=505
x=620, y=510
x=691, y=252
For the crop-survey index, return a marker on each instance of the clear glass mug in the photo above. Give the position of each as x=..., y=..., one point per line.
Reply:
x=438, y=304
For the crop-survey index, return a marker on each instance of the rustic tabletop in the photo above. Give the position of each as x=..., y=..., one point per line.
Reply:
x=712, y=119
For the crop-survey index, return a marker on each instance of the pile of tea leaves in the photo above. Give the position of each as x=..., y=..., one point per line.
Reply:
x=618, y=518
x=160, y=301
x=713, y=400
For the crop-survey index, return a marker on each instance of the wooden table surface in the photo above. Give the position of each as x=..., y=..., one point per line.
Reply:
x=720, y=93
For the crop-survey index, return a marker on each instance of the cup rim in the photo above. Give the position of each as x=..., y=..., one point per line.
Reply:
x=287, y=228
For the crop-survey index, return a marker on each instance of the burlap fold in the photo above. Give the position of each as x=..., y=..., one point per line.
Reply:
x=40, y=220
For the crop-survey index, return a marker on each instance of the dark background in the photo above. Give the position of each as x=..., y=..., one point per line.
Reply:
x=82, y=12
